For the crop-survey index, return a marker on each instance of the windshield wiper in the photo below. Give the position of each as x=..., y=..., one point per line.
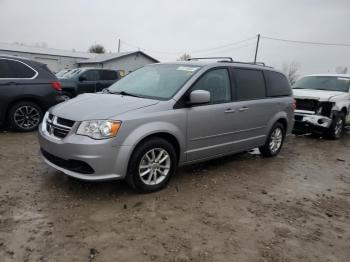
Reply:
x=123, y=93
x=298, y=87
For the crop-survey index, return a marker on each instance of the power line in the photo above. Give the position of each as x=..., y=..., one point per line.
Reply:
x=190, y=51
x=304, y=42
x=223, y=46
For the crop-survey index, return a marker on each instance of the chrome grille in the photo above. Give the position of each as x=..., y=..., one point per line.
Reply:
x=58, y=127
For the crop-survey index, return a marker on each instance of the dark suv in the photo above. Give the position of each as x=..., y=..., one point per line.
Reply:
x=27, y=90
x=86, y=80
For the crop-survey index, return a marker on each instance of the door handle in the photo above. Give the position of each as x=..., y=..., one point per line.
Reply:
x=242, y=109
x=230, y=110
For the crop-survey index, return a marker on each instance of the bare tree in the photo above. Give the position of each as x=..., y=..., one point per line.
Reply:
x=291, y=71
x=341, y=69
x=184, y=57
x=97, y=48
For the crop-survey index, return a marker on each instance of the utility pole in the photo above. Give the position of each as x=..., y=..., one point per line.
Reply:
x=118, y=45
x=256, y=49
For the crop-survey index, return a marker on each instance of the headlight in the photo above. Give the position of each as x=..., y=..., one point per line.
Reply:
x=99, y=129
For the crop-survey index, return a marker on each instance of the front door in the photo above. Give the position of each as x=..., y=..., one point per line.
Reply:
x=210, y=126
x=87, y=82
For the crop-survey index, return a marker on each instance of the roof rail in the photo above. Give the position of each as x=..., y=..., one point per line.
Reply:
x=252, y=63
x=227, y=59
x=216, y=58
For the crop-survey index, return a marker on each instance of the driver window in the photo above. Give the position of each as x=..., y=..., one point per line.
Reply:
x=217, y=82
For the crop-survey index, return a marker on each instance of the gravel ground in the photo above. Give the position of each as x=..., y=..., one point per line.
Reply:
x=295, y=207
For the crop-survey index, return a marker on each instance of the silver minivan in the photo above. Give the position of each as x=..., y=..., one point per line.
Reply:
x=167, y=115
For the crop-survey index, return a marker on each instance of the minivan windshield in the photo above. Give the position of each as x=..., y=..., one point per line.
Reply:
x=160, y=81
x=331, y=83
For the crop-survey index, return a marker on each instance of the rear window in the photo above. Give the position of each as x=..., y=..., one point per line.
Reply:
x=5, y=69
x=250, y=84
x=22, y=70
x=278, y=84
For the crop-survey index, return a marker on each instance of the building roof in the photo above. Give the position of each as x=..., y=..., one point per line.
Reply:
x=101, y=58
x=20, y=48
x=332, y=75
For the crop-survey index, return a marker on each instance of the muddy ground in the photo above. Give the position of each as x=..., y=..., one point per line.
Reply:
x=295, y=207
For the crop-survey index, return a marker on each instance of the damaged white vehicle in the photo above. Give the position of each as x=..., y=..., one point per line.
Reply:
x=322, y=104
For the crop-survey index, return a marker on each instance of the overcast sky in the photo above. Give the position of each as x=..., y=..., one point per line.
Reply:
x=167, y=28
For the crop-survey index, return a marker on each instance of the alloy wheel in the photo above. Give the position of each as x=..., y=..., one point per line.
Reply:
x=154, y=166
x=276, y=140
x=27, y=117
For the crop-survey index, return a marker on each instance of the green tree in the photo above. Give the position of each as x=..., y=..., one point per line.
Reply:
x=97, y=49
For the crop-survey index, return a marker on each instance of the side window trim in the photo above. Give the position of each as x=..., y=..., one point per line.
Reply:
x=202, y=75
x=236, y=84
x=20, y=78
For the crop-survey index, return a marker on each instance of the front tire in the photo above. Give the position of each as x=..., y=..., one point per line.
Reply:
x=274, y=141
x=25, y=116
x=337, y=127
x=151, y=165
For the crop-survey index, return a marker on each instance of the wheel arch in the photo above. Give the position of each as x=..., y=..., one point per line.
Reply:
x=166, y=136
x=24, y=99
x=280, y=117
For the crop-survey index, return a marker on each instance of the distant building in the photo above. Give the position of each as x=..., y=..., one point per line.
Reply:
x=127, y=61
x=57, y=59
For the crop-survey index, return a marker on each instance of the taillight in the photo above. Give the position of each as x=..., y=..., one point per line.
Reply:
x=294, y=104
x=56, y=85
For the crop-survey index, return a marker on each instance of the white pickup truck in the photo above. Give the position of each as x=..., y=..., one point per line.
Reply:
x=322, y=104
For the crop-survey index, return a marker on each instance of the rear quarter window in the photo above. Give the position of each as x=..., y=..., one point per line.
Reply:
x=278, y=84
x=22, y=70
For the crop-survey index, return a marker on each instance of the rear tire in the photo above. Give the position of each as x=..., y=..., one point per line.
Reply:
x=274, y=141
x=25, y=116
x=336, y=129
x=151, y=165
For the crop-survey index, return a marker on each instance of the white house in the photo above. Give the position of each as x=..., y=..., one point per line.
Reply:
x=57, y=59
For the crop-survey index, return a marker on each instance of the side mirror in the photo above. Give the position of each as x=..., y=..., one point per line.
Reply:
x=199, y=97
x=82, y=78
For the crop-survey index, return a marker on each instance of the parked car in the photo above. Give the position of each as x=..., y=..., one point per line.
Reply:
x=86, y=80
x=322, y=104
x=27, y=90
x=165, y=115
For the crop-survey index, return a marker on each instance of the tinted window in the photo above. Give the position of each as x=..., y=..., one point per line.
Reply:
x=217, y=82
x=5, y=69
x=250, y=84
x=91, y=75
x=331, y=83
x=22, y=70
x=278, y=84
x=108, y=75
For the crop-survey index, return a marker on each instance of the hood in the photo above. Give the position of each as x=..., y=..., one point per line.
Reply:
x=99, y=106
x=320, y=95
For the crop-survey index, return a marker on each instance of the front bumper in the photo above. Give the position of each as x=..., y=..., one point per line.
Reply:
x=309, y=121
x=83, y=157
